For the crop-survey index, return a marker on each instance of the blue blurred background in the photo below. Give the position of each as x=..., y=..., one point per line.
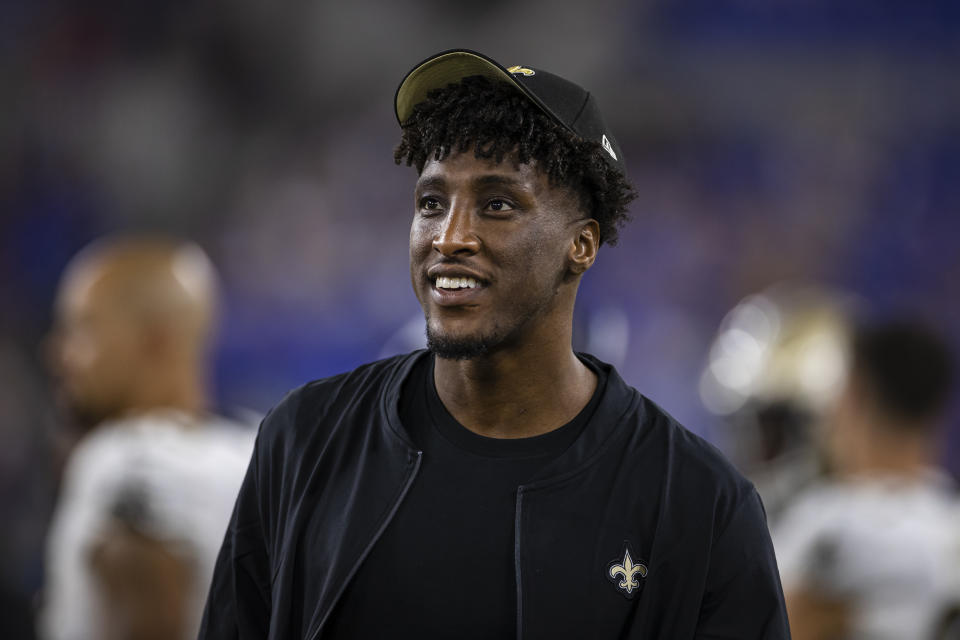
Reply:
x=794, y=140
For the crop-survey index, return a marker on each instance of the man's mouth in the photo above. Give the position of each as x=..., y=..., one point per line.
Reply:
x=453, y=284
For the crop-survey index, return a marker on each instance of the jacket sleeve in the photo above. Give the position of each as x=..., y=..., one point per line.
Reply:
x=238, y=604
x=743, y=597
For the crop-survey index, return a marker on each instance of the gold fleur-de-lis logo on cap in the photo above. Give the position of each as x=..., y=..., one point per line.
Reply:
x=522, y=70
x=628, y=570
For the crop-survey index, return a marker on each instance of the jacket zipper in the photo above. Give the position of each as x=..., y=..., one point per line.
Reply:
x=366, y=551
x=516, y=562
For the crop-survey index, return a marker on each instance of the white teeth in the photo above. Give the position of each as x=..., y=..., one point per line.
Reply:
x=444, y=282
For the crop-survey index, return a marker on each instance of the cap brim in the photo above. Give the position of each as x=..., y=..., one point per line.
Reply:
x=442, y=69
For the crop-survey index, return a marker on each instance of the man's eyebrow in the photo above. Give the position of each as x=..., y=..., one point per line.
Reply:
x=431, y=182
x=485, y=180
x=497, y=180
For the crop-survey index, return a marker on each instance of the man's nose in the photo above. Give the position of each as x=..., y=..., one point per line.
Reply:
x=457, y=235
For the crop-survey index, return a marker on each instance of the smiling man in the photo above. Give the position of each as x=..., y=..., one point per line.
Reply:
x=496, y=485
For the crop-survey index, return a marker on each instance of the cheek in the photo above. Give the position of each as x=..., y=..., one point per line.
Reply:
x=421, y=244
x=421, y=238
x=416, y=243
x=86, y=371
x=109, y=354
x=77, y=353
x=541, y=258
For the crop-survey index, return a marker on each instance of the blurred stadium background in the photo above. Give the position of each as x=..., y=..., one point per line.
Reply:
x=795, y=140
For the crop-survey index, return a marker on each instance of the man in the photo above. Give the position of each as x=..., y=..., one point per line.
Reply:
x=147, y=492
x=775, y=370
x=498, y=484
x=875, y=552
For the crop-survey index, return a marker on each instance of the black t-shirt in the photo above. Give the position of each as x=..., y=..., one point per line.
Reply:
x=445, y=565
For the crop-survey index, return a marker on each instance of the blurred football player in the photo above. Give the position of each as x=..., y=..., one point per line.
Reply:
x=874, y=552
x=147, y=492
x=774, y=372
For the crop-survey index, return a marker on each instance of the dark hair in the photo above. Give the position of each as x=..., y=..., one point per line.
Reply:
x=496, y=120
x=907, y=367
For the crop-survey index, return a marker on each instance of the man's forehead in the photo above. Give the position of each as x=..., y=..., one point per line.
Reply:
x=78, y=285
x=480, y=171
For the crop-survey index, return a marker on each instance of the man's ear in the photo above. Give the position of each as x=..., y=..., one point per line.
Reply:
x=583, y=249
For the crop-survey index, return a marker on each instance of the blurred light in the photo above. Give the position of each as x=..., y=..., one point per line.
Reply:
x=759, y=317
x=717, y=399
x=770, y=348
x=822, y=367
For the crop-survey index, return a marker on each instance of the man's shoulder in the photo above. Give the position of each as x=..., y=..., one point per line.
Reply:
x=106, y=450
x=359, y=391
x=868, y=503
x=693, y=452
x=162, y=430
x=695, y=470
x=371, y=376
x=690, y=464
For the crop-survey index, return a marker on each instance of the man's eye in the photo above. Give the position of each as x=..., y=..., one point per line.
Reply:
x=430, y=204
x=499, y=205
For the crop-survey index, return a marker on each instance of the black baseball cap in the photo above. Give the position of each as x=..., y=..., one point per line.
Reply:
x=567, y=103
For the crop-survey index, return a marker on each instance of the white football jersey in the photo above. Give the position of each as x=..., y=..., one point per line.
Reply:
x=174, y=477
x=890, y=546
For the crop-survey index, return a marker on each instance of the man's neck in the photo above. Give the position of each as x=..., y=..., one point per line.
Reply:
x=893, y=450
x=181, y=389
x=518, y=393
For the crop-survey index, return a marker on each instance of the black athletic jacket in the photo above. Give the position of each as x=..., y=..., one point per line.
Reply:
x=331, y=467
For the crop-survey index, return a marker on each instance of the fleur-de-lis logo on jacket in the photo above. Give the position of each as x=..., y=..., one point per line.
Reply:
x=624, y=574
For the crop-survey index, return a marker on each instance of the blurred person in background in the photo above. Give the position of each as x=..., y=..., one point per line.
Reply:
x=874, y=552
x=774, y=373
x=147, y=492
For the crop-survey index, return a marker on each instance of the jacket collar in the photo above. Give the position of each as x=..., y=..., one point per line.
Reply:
x=618, y=399
x=390, y=398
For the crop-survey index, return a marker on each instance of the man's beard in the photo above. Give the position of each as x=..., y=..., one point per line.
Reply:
x=500, y=334
x=451, y=348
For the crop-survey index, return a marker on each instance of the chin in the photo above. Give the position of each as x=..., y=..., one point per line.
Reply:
x=83, y=414
x=457, y=347
x=86, y=418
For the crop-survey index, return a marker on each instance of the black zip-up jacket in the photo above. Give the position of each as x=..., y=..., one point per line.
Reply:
x=333, y=463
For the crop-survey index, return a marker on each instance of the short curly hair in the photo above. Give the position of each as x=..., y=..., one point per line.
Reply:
x=497, y=120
